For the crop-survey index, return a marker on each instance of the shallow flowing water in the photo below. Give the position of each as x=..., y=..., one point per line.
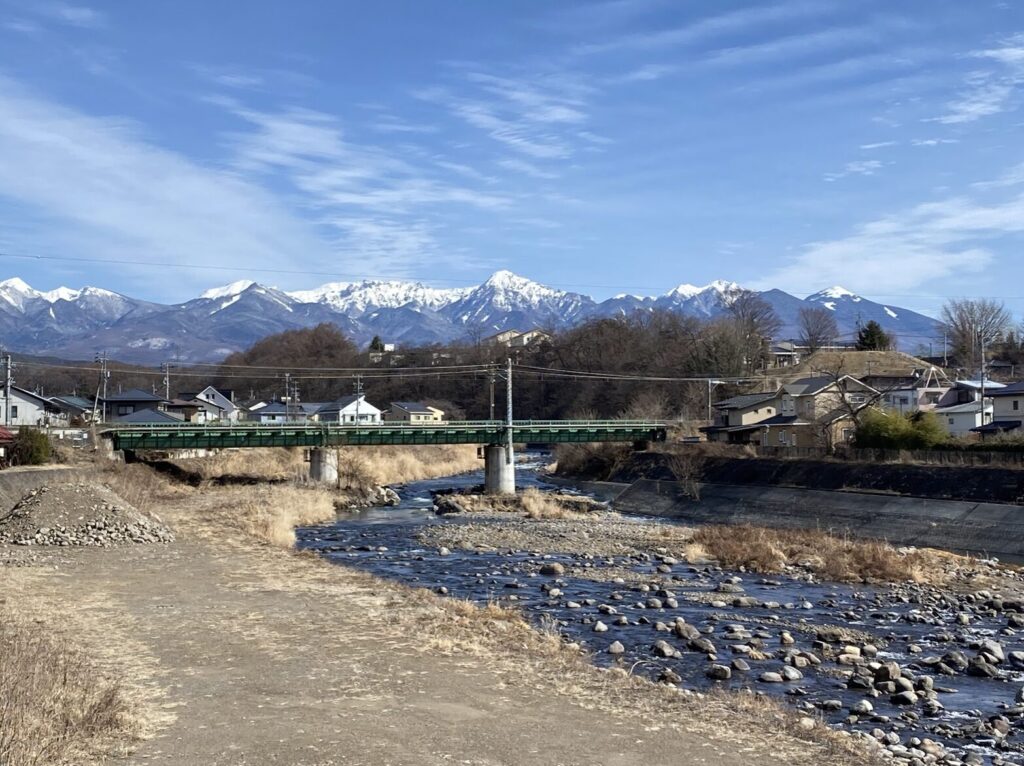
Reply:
x=385, y=541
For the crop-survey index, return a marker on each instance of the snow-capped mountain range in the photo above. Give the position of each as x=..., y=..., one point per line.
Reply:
x=78, y=323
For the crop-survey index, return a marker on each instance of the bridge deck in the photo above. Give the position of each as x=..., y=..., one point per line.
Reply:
x=199, y=436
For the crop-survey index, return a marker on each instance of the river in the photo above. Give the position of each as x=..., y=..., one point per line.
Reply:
x=911, y=626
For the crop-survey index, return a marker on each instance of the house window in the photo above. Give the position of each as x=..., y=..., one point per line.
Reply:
x=857, y=398
x=1016, y=404
x=903, y=400
x=952, y=421
x=782, y=438
x=14, y=410
x=125, y=409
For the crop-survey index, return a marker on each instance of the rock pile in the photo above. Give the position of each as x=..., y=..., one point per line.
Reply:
x=78, y=515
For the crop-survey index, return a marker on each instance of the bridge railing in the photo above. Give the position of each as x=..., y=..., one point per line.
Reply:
x=319, y=426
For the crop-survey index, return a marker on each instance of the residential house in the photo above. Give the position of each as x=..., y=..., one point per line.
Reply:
x=737, y=419
x=349, y=410
x=1007, y=412
x=784, y=354
x=286, y=412
x=413, y=412
x=518, y=338
x=25, y=408
x=924, y=392
x=196, y=410
x=223, y=399
x=961, y=419
x=77, y=409
x=126, y=402
x=503, y=338
x=816, y=412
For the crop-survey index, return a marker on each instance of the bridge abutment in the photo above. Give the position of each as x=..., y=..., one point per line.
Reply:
x=323, y=465
x=499, y=470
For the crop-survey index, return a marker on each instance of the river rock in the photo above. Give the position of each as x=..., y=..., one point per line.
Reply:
x=616, y=647
x=664, y=649
x=720, y=672
x=862, y=707
x=600, y=627
x=771, y=677
x=552, y=569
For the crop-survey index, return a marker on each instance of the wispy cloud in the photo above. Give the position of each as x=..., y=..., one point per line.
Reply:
x=709, y=28
x=538, y=116
x=878, y=145
x=74, y=15
x=527, y=168
x=388, y=207
x=924, y=244
x=646, y=73
x=856, y=168
x=933, y=141
x=117, y=196
x=986, y=92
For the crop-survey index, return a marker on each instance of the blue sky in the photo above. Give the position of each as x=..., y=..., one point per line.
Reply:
x=626, y=145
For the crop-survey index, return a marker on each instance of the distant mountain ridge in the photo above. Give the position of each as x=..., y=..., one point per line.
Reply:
x=78, y=323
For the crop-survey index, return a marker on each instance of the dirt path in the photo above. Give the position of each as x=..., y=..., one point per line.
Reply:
x=251, y=655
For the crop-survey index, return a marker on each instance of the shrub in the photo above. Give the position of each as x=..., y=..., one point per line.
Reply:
x=31, y=447
x=892, y=430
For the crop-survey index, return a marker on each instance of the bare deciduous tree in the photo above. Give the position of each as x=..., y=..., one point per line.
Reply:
x=973, y=324
x=756, y=323
x=817, y=327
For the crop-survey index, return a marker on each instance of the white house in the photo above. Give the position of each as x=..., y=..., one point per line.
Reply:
x=222, y=399
x=27, y=409
x=960, y=419
x=349, y=410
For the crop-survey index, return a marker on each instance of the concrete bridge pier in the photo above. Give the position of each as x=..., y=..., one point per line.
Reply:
x=323, y=465
x=499, y=470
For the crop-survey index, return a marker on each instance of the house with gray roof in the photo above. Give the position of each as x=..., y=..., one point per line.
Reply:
x=737, y=419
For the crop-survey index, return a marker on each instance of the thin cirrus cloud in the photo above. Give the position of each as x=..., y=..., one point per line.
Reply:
x=119, y=196
x=928, y=243
x=988, y=92
x=856, y=168
x=708, y=28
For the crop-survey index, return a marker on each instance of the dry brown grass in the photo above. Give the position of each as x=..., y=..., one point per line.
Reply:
x=270, y=513
x=270, y=464
x=54, y=706
x=769, y=550
x=140, y=486
x=364, y=467
x=532, y=503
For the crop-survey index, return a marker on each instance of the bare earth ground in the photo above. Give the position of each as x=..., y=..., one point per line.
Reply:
x=241, y=653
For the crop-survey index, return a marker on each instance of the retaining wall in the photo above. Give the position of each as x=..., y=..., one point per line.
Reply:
x=987, y=529
x=15, y=483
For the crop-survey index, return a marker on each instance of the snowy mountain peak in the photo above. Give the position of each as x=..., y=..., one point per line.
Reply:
x=685, y=290
x=17, y=284
x=507, y=280
x=370, y=295
x=833, y=293
x=228, y=291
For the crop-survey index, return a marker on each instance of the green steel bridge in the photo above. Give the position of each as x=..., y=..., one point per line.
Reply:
x=485, y=432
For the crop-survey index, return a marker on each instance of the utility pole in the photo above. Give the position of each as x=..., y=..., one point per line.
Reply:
x=981, y=338
x=493, y=377
x=166, y=367
x=508, y=398
x=101, y=358
x=709, y=400
x=945, y=352
x=359, y=395
x=8, y=382
x=287, y=396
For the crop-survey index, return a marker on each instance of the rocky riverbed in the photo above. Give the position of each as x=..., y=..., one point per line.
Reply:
x=934, y=675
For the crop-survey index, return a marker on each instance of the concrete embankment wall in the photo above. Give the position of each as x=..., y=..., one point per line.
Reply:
x=989, y=529
x=15, y=483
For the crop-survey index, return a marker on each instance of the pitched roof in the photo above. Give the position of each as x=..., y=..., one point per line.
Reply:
x=134, y=395
x=997, y=426
x=346, y=401
x=805, y=386
x=74, y=402
x=744, y=400
x=413, y=407
x=960, y=408
x=148, y=416
x=1013, y=389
